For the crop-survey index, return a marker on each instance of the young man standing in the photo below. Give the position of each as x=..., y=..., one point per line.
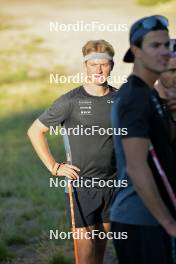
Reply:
x=144, y=209
x=91, y=151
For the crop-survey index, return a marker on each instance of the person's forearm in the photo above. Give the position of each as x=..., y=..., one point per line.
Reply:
x=146, y=188
x=40, y=145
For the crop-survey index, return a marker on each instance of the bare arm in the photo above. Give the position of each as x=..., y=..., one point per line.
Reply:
x=36, y=134
x=144, y=183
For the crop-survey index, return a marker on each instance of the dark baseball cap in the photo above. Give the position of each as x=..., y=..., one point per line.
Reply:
x=141, y=27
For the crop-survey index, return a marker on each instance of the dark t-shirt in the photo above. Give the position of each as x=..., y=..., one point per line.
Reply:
x=93, y=154
x=140, y=109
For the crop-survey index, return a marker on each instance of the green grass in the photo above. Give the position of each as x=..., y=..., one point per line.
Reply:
x=29, y=208
x=59, y=259
x=5, y=22
x=151, y=2
x=16, y=239
x=5, y=253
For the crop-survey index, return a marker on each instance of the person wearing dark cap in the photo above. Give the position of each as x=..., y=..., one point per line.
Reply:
x=166, y=87
x=144, y=209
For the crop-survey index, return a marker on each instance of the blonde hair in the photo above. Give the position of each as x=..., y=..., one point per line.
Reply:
x=101, y=46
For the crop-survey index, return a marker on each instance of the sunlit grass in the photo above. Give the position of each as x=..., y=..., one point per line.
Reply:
x=151, y=2
x=29, y=208
x=6, y=22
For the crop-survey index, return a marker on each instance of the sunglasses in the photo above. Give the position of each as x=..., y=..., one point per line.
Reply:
x=149, y=23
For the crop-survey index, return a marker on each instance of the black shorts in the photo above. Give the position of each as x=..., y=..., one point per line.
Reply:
x=144, y=245
x=91, y=206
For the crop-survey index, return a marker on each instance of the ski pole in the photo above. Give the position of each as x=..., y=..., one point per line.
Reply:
x=70, y=191
x=170, y=192
x=163, y=175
